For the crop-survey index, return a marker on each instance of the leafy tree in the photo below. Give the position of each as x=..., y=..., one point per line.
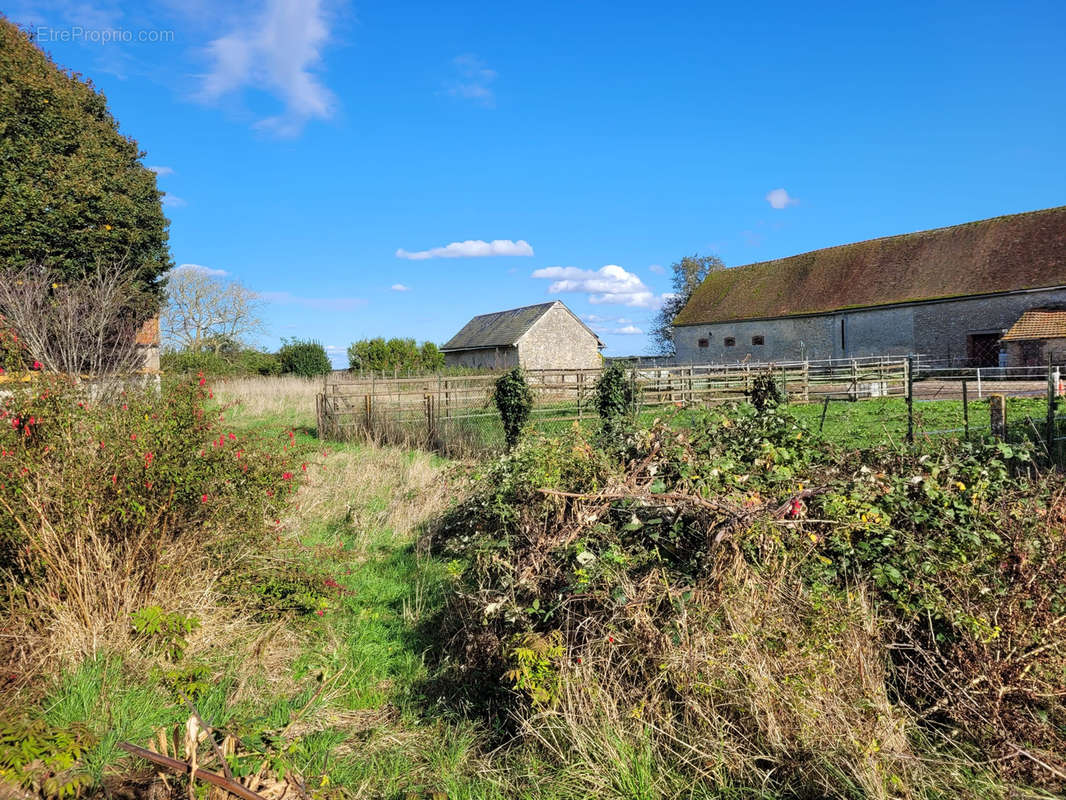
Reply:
x=688, y=274
x=303, y=357
x=403, y=354
x=205, y=313
x=74, y=195
x=431, y=356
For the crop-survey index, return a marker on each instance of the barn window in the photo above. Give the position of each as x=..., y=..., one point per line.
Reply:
x=730, y=341
x=704, y=342
x=757, y=341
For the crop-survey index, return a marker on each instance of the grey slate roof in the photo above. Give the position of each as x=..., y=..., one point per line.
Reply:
x=501, y=328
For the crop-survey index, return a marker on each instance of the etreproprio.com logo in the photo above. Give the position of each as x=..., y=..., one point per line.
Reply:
x=76, y=34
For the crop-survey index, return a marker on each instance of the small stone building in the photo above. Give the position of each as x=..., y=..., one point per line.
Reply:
x=544, y=336
x=948, y=294
x=1038, y=335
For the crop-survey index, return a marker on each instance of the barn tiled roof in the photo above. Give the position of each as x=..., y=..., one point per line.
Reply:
x=1021, y=251
x=501, y=328
x=1038, y=323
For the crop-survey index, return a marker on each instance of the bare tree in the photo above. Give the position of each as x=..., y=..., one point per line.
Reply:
x=203, y=312
x=84, y=327
x=688, y=274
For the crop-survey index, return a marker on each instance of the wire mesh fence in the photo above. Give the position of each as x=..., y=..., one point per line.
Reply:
x=457, y=415
x=856, y=402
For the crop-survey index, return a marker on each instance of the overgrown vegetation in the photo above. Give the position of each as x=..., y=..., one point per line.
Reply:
x=720, y=605
x=109, y=507
x=514, y=401
x=743, y=608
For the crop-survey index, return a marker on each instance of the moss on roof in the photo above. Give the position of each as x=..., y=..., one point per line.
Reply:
x=1020, y=251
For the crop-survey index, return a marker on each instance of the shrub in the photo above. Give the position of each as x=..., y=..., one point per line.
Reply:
x=107, y=509
x=212, y=364
x=514, y=399
x=307, y=359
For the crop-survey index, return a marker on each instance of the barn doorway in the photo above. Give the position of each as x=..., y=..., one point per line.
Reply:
x=983, y=349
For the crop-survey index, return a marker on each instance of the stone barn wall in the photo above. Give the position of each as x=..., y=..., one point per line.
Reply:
x=483, y=358
x=937, y=328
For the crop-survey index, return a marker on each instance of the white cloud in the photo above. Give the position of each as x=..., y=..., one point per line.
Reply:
x=609, y=284
x=473, y=80
x=658, y=269
x=275, y=52
x=173, y=201
x=628, y=330
x=779, y=198
x=161, y=171
x=399, y=287
x=314, y=303
x=472, y=248
x=217, y=273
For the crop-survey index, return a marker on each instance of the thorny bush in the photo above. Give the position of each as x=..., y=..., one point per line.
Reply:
x=733, y=581
x=103, y=506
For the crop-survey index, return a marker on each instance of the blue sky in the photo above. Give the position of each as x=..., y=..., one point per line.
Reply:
x=326, y=154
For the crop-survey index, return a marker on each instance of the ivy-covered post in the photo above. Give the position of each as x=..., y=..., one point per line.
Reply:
x=514, y=400
x=616, y=398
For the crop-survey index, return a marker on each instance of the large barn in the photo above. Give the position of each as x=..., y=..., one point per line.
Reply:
x=544, y=336
x=949, y=293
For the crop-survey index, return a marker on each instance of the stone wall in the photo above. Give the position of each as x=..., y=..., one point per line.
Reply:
x=1035, y=353
x=939, y=329
x=484, y=358
x=558, y=341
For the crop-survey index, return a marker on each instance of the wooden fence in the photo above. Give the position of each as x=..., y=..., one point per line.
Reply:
x=456, y=414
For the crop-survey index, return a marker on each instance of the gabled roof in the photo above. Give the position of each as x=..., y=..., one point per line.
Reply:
x=1038, y=323
x=504, y=328
x=1021, y=251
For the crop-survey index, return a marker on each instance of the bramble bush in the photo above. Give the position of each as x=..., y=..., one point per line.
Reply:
x=802, y=617
x=109, y=508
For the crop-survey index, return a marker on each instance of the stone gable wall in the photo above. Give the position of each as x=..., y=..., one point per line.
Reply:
x=558, y=341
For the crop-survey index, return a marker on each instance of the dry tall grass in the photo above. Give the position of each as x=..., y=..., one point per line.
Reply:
x=287, y=399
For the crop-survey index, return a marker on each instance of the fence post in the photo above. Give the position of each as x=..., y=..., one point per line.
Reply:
x=1049, y=424
x=965, y=411
x=806, y=381
x=784, y=385
x=910, y=399
x=997, y=408
x=854, y=393
x=979, y=383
